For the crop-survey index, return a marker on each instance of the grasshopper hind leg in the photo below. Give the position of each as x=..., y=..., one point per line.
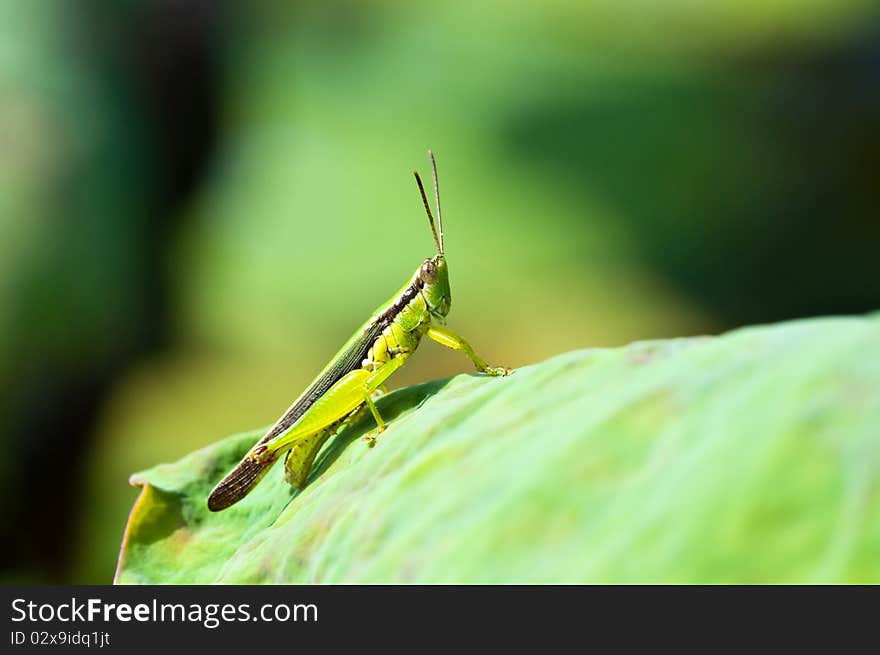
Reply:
x=300, y=458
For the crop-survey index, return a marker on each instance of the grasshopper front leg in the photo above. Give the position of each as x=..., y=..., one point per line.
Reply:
x=448, y=338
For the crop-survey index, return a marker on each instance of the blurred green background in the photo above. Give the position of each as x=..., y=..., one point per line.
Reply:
x=199, y=201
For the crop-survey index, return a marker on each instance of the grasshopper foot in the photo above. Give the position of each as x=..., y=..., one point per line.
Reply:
x=371, y=436
x=498, y=371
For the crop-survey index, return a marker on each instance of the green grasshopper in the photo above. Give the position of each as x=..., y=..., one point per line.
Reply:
x=358, y=371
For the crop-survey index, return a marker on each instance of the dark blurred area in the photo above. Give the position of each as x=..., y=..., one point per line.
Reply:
x=95, y=296
x=761, y=193
x=200, y=200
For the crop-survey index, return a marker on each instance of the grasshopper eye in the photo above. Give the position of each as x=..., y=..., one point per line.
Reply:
x=428, y=272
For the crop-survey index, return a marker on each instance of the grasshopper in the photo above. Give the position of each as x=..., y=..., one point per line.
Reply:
x=358, y=371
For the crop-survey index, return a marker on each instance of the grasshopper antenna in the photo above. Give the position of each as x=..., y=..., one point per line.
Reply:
x=437, y=199
x=438, y=240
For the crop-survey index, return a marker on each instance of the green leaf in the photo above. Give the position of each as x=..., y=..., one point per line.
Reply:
x=749, y=457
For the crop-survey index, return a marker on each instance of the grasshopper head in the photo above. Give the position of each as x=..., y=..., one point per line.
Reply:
x=434, y=276
x=433, y=273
